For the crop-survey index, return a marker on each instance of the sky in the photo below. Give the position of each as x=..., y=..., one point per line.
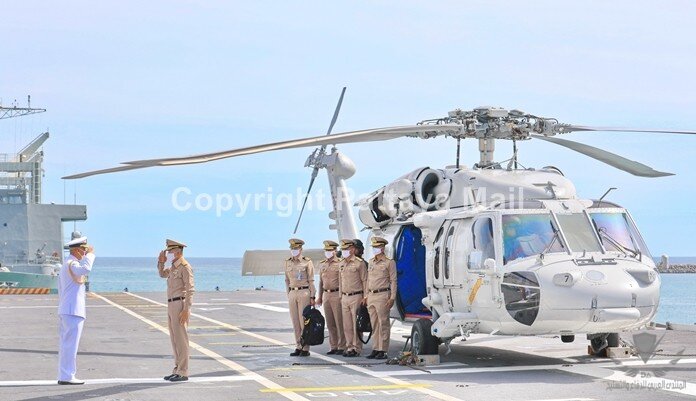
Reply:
x=133, y=80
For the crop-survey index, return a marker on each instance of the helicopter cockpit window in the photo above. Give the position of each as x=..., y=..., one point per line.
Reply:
x=616, y=231
x=528, y=235
x=483, y=238
x=579, y=233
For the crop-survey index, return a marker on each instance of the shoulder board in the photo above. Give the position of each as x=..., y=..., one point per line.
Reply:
x=305, y=258
x=288, y=259
x=323, y=260
x=359, y=258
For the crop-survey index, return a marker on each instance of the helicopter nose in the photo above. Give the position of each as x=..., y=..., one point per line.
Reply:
x=620, y=295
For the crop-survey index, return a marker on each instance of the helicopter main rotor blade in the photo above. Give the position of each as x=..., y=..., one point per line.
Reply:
x=106, y=171
x=377, y=134
x=609, y=158
x=571, y=128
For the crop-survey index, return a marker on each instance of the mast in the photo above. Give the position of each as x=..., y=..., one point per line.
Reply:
x=14, y=111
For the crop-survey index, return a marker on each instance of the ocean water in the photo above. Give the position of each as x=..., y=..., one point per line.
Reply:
x=111, y=274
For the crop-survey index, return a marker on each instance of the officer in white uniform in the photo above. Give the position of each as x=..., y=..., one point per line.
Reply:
x=71, y=306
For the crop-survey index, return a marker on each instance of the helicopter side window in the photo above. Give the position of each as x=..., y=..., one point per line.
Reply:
x=436, y=265
x=483, y=238
x=448, y=250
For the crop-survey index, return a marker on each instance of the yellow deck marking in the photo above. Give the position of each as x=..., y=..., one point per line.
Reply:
x=350, y=388
x=213, y=355
x=432, y=393
x=474, y=291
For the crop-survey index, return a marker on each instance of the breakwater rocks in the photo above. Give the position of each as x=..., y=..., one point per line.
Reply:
x=677, y=268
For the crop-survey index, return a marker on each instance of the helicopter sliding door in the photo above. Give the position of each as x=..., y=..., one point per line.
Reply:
x=409, y=255
x=450, y=263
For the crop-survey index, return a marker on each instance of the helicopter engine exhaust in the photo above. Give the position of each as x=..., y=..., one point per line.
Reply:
x=424, y=189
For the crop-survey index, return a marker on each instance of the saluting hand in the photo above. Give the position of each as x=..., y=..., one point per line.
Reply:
x=318, y=302
x=162, y=257
x=184, y=316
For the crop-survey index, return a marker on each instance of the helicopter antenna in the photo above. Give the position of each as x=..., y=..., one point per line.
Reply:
x=605, y=195
x=316, y=156
x=514, y=152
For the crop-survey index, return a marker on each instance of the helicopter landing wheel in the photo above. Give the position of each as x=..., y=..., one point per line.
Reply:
x=422, y=340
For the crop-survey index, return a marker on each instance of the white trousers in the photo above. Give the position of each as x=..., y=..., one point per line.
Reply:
x=69, y=333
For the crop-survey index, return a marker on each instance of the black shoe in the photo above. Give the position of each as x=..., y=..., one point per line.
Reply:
x=170, y=376
x=73, y=382
x=381, y=355
x=178, y=378
x=373, y=355
x=304, y=353
x=332, y=352
x=296, y=353
x=351, y=354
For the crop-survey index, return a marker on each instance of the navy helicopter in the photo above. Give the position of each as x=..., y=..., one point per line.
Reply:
x=492, y=248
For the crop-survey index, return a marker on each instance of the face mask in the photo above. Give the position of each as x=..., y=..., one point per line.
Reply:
x=329, y=254
x=376, y=251
x=170, y=258
x=346, y=253
x=295, y=253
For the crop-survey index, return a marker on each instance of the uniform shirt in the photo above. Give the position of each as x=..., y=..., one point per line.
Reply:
x=71, y=290
x=353, y=276
x=382, y=274
x=299, y=272
x=329, y=274
x=179, y=281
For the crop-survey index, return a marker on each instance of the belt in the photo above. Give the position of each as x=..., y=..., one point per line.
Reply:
x=333, y=290
x=176, y=299
x=348, y=294
x=380, y=290
x=299, y=288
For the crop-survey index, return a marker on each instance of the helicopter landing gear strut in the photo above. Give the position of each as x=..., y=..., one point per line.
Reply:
x=422, y=340
x=601, y=341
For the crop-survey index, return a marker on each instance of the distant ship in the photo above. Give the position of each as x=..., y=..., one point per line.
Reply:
x=31, y=233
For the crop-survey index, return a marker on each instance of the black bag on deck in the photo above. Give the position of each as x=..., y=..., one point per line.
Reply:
x=313, y=331
x=362, y=323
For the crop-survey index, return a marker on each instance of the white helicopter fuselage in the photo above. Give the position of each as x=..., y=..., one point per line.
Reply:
x=514, y=252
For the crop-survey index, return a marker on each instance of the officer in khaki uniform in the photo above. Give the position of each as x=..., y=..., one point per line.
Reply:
x=381, y=293
x=299, y=281
x=180, y=289
x=352, y=286
x=331, y=298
